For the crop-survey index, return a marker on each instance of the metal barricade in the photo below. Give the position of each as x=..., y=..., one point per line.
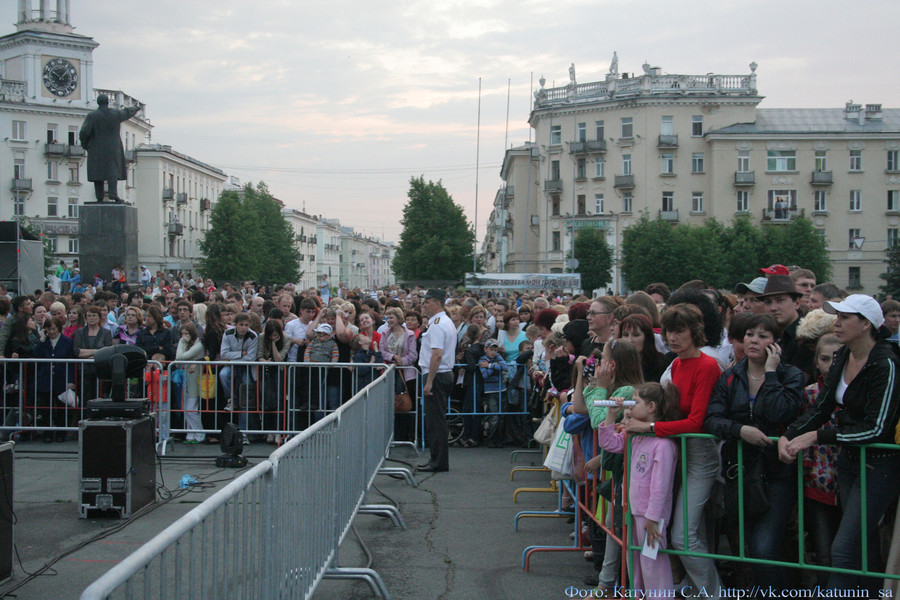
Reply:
x=275, y=531
x=36, y=398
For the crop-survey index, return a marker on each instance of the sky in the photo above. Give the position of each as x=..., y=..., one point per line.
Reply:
x=335, y=105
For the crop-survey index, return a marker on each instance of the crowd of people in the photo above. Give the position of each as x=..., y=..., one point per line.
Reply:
x=779, y=370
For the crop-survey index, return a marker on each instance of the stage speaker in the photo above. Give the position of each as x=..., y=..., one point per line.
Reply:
x=6, y=510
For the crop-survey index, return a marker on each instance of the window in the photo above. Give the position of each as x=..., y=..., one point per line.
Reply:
x=73, y=208
x=73, y=245
x=893, y=200
x=743, y=161
x=18, y=205
x=73, y=172
x=19, y=168
x=555, y=135
x=581, y=203
x=556, y=245
x=626, y=202
x=855, y=239
x=892, y=237
x=856, y=160
x=627, y=127
x=52, y=206
x=789, y=197
x=73, y=135
x=668, y=201
x=893, y=160
x=598, y=204
x=697, y=126
x=782, y=160
x=626, y=164
x=52, y=133
x=697, y=202
x=821, y=160
x=51, y=243
x=554, y=169
x=554, y=205
x=667, y=165
x=581, y=132
x=697, y=162
x=52, y=174
x=600, y=168
x=855, y=200
x=598, y=130
x=854, y=279
x=743, y=201
x=581, y=169
x=667, y=127
x=18, y=131
x=820, y=201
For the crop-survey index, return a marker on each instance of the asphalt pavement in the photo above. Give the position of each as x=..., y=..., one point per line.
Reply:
x=459, y=544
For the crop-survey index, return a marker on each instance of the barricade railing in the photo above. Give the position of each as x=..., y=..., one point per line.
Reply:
x=275, y=531
x=32, y=390
x=741, y=556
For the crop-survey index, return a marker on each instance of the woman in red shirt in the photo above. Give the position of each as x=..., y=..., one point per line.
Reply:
x=695, y=375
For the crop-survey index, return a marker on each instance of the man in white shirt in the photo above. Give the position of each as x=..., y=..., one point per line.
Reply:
x=436, y=362
x=296, y=330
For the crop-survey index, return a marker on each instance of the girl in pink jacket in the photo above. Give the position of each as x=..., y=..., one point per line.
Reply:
x=650, y=478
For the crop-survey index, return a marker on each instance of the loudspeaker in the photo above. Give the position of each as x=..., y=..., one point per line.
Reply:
x=6, y=510
x=117, y=463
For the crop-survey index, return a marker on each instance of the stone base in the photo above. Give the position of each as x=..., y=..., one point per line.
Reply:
x=108, y=236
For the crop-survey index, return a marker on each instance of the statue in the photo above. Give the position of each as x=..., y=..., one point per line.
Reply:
x=614, y=65
x=572, y=73
x=106, y=156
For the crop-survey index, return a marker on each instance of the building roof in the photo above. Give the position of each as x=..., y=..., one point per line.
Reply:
x=813, y=120
x=185, y=157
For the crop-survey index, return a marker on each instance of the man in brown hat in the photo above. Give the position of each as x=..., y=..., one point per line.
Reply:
x=783, y=302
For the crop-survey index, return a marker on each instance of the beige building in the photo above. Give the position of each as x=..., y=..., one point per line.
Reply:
x=305, y=228
x=688, y=147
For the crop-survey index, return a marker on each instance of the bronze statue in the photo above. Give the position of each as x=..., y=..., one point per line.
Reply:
x=106, y=156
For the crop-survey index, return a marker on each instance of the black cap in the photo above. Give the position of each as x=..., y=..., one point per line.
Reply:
x=436, y=294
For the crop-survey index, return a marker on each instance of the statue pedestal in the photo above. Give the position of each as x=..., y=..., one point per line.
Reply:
x=108, y=236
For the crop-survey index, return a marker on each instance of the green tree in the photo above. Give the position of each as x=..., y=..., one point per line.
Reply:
x=249, y=238
x=798, y=244
x=595, y=258
x=892, y=275
x=649, y=253
x=437, y=240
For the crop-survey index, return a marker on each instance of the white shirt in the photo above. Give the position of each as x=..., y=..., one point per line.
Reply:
x=295, y=329
x=441, y=334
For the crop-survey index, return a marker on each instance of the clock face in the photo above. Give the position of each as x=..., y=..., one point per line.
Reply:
x=60, y=77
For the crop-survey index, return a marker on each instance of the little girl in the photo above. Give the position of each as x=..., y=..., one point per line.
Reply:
x=650, y=478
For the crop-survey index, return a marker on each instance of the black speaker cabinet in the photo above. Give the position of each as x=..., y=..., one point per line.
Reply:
x=117, y=463
x=6, y=510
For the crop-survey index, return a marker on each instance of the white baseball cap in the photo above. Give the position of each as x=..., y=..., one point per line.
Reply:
x=860, y=304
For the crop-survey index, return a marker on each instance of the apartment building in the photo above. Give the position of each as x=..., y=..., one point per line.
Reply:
x=305, y=230
x=688, y=147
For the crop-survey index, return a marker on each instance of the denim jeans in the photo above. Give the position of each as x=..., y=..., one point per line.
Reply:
x=764, y=535
x=702, y=458
x=471, y=423
x=882, y=488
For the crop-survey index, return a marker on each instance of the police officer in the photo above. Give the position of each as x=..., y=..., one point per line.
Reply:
x=436, y=362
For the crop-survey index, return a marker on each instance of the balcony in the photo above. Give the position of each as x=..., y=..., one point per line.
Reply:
x=624, y=181
x=668, y=141
x=21, y=185
x=587, y=147
x=168, y=194
x=784, y=215
x=553, y=185
x=669, y=215
x=821, y=178
x=75, y=151
x=205, y=204
x=181, y=198
x=510, y=191
x=313, y=240
x=175, y=229
x=54, y=149
x=130, y=156
x=744, y=178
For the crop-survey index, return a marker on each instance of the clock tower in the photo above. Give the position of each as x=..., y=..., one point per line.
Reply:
x=45, y=53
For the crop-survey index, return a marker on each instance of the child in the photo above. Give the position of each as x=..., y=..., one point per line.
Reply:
x=820, y=502
x=493, y=371
x=650, y=479
x=323, y=349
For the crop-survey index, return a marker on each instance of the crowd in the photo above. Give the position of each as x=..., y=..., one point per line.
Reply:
x=779, y=370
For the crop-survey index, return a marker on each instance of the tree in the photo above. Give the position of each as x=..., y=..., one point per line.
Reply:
x=249, y=238
x=892, y=275
x=798, y=244
x=595, y=258
x=437, y=240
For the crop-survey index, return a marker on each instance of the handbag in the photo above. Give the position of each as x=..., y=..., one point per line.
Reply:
x=403, y=401
x=546, y=430
x=208, y=383
x=756, y=486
